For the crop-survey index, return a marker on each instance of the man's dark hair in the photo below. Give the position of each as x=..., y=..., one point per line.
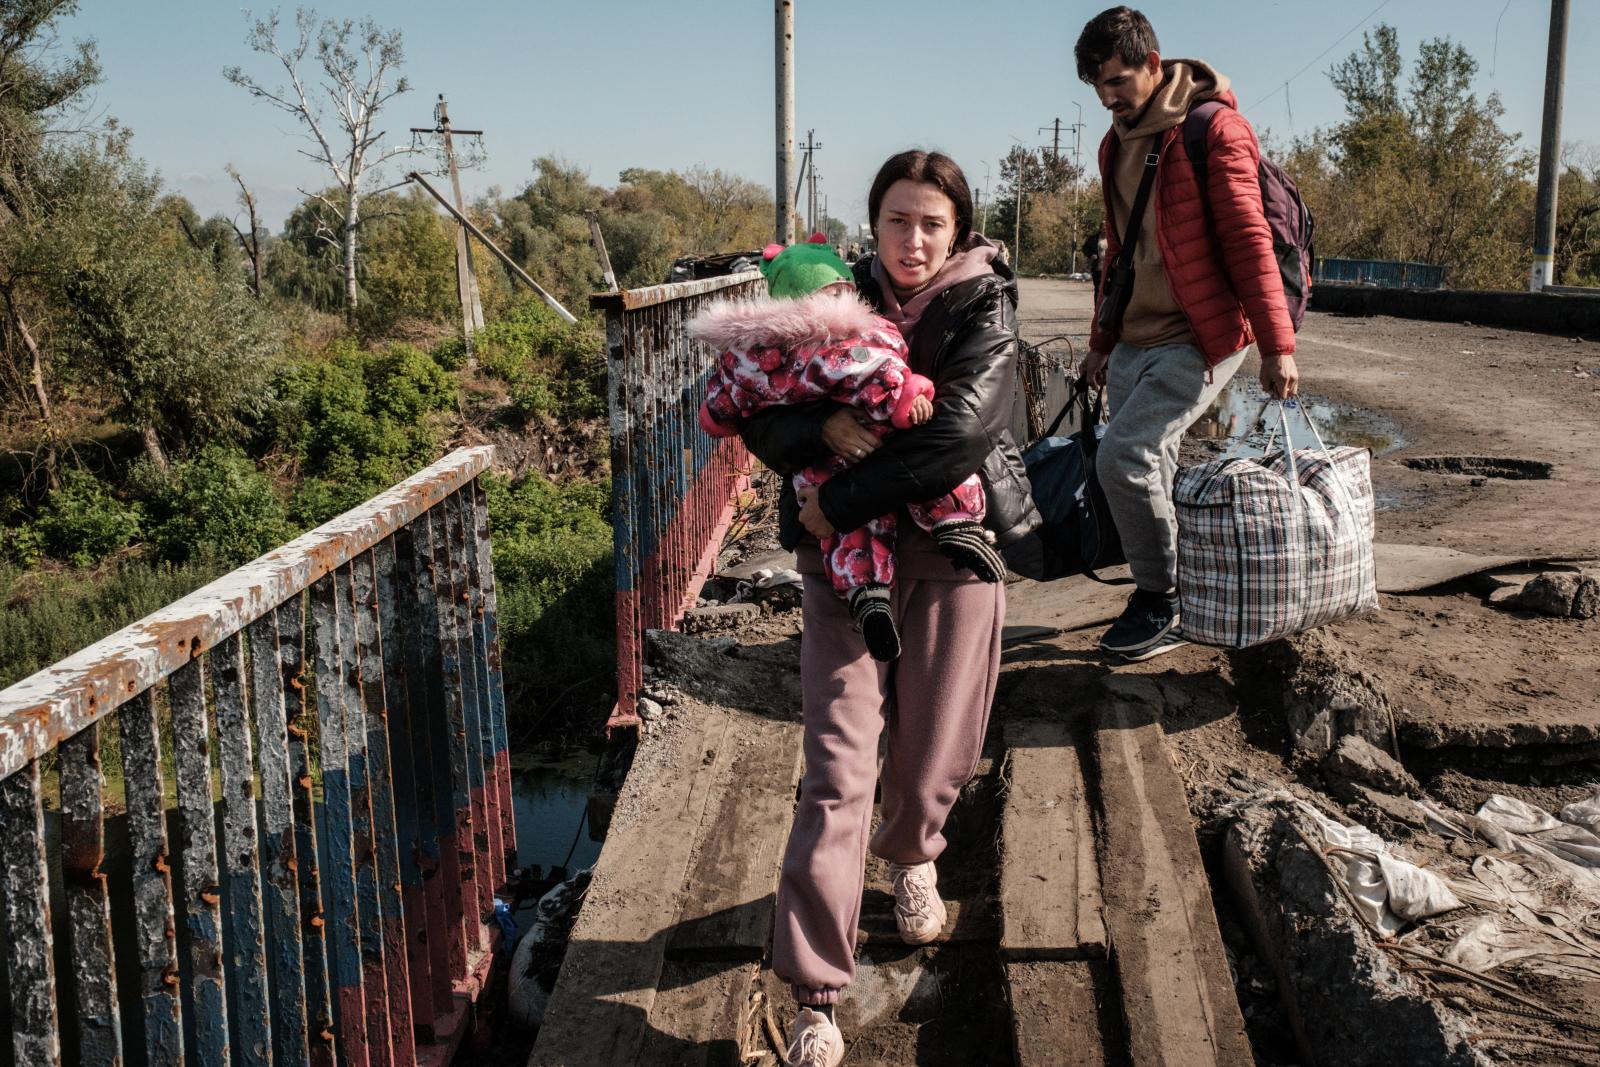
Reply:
x=1117, y=31
x=935, y=168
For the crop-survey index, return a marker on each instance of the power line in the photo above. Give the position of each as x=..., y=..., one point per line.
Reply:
x=1285, y=86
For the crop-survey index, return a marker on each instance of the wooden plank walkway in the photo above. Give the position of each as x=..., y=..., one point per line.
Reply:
x=1088, y=935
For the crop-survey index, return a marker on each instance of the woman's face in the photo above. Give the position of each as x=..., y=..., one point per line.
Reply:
x=916, y=227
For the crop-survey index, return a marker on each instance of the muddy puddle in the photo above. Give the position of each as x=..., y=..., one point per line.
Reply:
x=1237, y=417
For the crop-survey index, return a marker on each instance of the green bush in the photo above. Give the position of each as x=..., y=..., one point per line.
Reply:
x=81, y=523
x=45, y=617
x=358, y=422
x=553, y=569
x=218, y=505
x=555, y=370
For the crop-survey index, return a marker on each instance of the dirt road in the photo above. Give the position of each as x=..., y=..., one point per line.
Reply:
x=1450, y=390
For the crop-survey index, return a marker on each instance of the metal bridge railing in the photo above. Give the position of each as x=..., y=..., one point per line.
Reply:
x=672, y=485
x=1384, y=273
x=334, y=718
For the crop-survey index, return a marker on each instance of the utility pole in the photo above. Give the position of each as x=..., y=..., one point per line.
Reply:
x=466, y=280
x=511, y=264
x=784, y=15
x=1077, y=178
x=599, y=240
x=808, y=168
x=1055, y=145
x=1016, y=253
x=1544, y=226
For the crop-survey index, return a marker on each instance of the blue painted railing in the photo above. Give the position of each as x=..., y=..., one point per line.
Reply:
x=1385, y=273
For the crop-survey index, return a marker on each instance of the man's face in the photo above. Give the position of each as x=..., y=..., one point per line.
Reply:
x=1125, y=90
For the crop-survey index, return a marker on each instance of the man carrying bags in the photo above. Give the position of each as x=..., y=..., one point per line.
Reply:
x=1191, y=281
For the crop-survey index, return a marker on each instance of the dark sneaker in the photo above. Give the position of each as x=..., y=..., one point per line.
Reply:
x=1149, y=622
x=1166, y=644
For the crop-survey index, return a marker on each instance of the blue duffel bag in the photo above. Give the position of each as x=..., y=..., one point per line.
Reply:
x=1078, y=535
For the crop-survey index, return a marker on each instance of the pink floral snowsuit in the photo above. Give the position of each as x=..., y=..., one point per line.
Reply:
x=804, y=355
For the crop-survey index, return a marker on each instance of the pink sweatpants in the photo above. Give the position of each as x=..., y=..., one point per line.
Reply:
x=935, y=702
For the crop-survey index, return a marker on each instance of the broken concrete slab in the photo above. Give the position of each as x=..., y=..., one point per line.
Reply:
x=1505, y=596
x=774, y=559
x=1319, y=689
x=1347, y=1002
x=1413, y=568
x=1360, y=760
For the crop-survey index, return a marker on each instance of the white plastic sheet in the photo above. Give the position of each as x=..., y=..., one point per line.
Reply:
x=1388, y=891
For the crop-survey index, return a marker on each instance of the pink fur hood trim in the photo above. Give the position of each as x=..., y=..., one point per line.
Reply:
x=770, y=322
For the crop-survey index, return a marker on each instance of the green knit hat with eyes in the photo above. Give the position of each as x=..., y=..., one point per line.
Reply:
x=801, y=270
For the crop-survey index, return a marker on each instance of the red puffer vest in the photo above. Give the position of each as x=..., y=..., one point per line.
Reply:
x=1220, y=263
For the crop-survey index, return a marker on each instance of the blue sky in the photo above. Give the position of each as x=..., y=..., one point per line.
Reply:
x=668, y=85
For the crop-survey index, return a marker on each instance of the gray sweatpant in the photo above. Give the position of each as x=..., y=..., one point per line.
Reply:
x=1154, y=395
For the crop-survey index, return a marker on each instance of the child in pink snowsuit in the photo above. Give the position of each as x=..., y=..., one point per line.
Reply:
x=812, y=338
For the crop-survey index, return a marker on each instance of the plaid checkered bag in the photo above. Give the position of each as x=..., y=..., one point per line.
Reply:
x=1274, y=546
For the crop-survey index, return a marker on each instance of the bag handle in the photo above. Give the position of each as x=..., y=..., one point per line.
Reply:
x=1079, y=392
x=1338, y=479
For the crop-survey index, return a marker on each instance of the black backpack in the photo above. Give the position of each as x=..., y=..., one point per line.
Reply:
x=1078, y=535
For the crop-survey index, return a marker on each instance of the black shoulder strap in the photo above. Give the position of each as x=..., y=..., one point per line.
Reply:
x=1130, y=236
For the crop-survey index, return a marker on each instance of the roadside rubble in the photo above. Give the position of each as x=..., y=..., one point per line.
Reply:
x=1558, y=594
x=1441, y=955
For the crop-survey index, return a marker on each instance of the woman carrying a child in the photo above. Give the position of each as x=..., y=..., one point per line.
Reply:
x=942, y=288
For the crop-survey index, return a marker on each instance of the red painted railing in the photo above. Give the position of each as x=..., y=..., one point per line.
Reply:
x=672, y=485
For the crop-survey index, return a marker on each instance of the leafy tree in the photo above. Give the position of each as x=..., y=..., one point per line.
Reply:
x=37, y=89
x=1053, y=218
x=1578, y=220
x=356, y=65
x=357, y=422
x=407, y=268
x=137, y=309
x=1419, y=170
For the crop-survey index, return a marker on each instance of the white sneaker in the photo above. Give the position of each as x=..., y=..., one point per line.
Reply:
x=919, y=914
x=815, y=1041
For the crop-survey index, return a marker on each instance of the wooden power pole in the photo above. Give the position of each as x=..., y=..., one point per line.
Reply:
x=466, y=279
x=599, y=240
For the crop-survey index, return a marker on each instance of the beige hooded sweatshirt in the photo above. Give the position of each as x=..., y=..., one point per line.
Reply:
x=1153, y=316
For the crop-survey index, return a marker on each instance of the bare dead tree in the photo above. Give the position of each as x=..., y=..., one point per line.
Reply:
x=355, y=64
x=249, y=241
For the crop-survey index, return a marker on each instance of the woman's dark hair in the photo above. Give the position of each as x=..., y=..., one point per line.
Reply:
x=1117, y=31
x=935, y=168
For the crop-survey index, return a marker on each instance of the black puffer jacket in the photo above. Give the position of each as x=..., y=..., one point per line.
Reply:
x=966, y=342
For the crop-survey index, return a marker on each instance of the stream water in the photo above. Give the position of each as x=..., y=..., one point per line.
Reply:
x=548, y=797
